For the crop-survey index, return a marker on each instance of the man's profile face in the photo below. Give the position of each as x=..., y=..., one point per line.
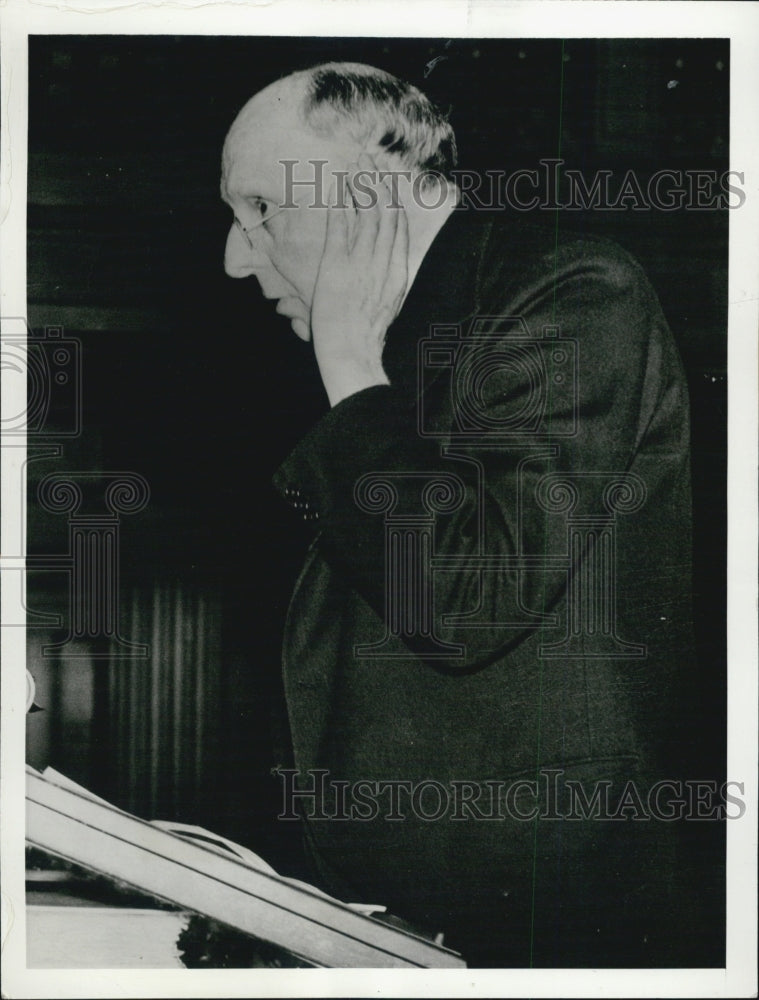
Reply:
x=287, y=244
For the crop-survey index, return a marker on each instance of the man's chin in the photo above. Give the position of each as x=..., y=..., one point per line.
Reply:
x=301, y=329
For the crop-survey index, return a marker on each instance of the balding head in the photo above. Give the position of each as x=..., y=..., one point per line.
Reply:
x=270, y=123
x=354, y=104
x=274, y=111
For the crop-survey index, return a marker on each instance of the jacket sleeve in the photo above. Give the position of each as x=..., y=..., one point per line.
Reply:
x=548, y=419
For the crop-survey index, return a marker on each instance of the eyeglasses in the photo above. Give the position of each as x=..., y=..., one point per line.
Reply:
x=247, y=230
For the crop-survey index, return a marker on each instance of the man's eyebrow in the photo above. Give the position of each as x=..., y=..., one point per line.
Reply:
x=249, y=192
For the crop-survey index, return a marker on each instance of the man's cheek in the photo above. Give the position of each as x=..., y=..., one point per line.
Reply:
x=304, y=237
x=292, y=262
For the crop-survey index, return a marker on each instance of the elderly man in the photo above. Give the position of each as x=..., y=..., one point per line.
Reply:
x=484, y=652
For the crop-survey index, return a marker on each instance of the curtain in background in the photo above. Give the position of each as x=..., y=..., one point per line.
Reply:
x=142, y=731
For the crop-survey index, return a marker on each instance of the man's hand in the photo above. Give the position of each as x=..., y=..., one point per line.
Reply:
x=359, y=288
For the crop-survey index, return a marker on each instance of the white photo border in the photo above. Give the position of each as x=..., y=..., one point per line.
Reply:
x=413, y=18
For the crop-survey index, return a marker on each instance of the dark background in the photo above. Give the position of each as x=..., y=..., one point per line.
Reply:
x=190, y=379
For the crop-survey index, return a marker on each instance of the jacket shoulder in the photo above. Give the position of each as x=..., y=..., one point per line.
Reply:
x=517, y=253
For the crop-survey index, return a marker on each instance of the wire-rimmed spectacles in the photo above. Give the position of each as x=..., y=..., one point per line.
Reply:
x=247, y=230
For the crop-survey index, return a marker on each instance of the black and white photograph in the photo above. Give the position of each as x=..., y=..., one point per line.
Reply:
x=379, y=560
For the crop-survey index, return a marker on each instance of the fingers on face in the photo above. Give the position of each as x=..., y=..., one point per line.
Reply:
x=338, y=233
x=397, y=266
x=390, y=214
x=366, y=197
x=365, y=217
x=377, y=210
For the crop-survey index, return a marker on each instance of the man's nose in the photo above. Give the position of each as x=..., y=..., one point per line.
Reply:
x=239, y=260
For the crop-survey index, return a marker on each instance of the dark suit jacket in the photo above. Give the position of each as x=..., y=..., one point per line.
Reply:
x=569, y=451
